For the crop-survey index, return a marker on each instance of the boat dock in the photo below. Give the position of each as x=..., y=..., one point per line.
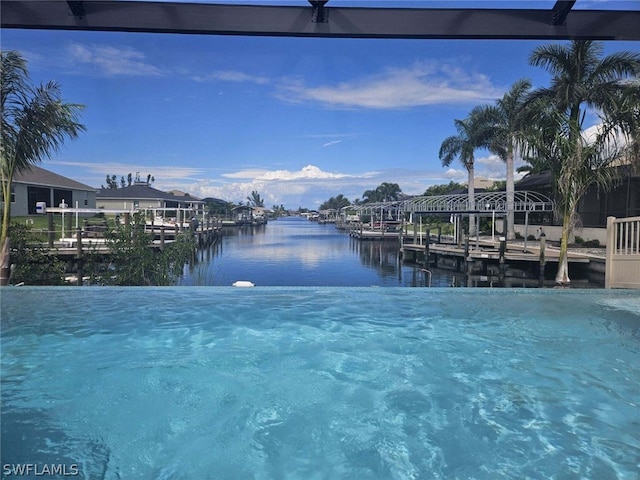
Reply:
x=495, y=257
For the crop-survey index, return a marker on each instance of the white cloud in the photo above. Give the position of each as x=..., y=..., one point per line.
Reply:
x=231, y=76
x=456, y=175
x=111, y=60
x=421, y=84
x=490, y=167
x=310, y=186
x=615, y=137
x=306, y=173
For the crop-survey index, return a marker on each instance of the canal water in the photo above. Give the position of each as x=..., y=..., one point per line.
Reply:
x=293, y=251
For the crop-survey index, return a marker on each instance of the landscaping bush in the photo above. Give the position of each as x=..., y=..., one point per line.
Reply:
x=33, y=264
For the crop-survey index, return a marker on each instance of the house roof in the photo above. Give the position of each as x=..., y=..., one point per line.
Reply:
x=534, y=180
x=142, y=191
x=465, y=190
x=215, y=200
x=40, y=176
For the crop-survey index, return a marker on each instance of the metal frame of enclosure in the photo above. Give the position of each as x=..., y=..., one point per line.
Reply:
x=489, y=202
x=485, y=203
x=391, y=211
x=319, y=18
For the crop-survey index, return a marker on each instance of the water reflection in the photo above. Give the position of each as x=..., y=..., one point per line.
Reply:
x=296, y=252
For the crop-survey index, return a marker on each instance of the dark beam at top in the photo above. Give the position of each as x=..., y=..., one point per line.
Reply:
x=560, y=11
x=319, y=12
x=357, y=22
x=77, y=8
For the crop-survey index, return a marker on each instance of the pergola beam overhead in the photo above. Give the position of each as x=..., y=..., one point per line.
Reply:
x=315, y=19
x=560, y=11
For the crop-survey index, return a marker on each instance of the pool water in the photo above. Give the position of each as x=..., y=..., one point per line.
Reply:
x=322, y=383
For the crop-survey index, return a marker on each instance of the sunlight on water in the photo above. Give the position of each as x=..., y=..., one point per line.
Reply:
x=305, y=383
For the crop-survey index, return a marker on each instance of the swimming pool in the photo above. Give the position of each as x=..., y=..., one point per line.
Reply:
x=322, y=383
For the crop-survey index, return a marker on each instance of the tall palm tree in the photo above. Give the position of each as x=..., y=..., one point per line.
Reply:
x=505, y=123
x=388, y=192
x=35, y=124
x=471, y=136
x=583, y=82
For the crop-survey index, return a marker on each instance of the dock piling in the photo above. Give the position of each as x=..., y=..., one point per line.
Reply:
x=543, y=244
x=79, y=259
x=426, y=248
x=503, y=251
x=466, y=253
x=50, y=229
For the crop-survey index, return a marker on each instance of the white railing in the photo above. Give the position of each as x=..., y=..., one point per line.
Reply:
x=623, y=253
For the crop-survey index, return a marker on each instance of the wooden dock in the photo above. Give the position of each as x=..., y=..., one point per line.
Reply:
x=492, y=252
x=494, y=257
x=76, y=250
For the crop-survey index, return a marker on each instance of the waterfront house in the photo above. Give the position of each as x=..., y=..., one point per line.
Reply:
x=622, y=200
x=141, y=195
x=37, y=184
x=243, y=215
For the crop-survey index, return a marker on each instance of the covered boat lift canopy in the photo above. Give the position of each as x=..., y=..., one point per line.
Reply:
x=485, y=203
x=493, y=204
x=488, y=202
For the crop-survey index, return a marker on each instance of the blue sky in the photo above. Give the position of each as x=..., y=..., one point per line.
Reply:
x=297, y=119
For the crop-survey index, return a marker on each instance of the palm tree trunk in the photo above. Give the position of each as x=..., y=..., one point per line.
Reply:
x=5, y=263
x=472, y=200
x=6, y=206
x=5, y=251
x=511, y=229
x=562, y=277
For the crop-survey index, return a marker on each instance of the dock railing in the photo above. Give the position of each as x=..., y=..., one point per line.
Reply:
x=623, y=253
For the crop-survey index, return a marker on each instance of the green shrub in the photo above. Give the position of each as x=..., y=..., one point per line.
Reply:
x=135, y=262
x=33, y=264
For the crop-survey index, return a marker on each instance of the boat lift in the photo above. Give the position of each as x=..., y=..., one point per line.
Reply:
x=492, y=204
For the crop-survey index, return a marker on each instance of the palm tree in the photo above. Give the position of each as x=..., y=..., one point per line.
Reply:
x=35, y=124
x=582, y=82
x=370, y=196
x=388, y=192
x=504, y=120
x=255, y=200
x=471, y=136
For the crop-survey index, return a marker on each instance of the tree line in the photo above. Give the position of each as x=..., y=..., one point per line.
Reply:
x=112, y=181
